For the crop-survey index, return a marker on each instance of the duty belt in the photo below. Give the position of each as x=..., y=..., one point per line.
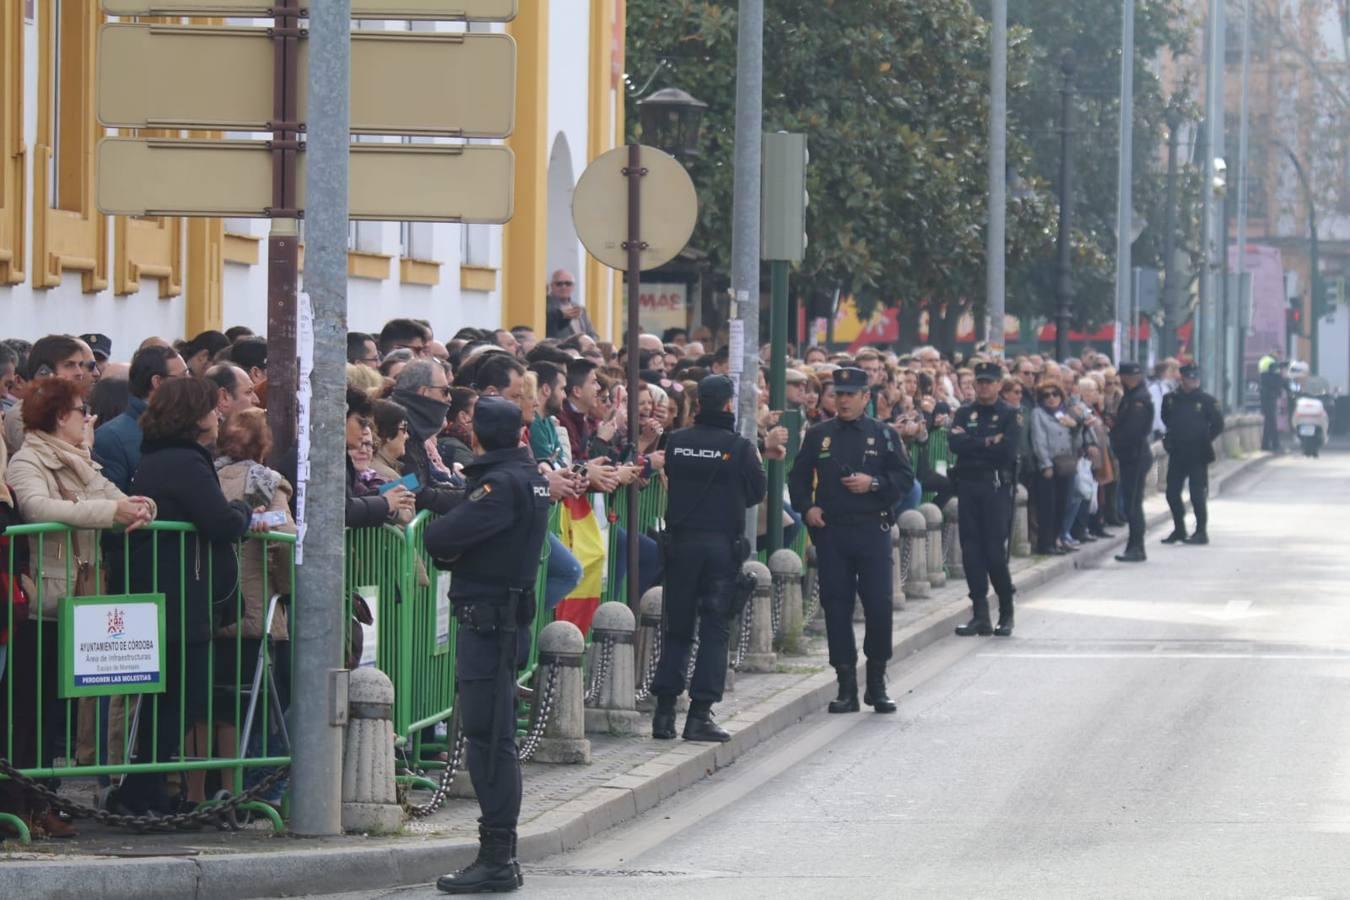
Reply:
x=877, y=517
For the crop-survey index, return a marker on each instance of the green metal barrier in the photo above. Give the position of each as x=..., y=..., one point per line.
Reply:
x=198, y=723
x=938, y=457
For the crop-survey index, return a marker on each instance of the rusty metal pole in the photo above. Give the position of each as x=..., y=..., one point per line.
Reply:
x=634, y=245
x=283, y=242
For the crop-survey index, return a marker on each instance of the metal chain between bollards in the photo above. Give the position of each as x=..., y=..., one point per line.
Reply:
x=603, y=654
x=541, y=714
x=743, y=643
x=452, y=768
x=205, y=814
x=776, y=608
x=906, y=562
x=644, y=688
x=813, y=601
x=950, y=537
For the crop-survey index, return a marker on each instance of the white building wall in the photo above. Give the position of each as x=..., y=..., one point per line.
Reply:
x=568, y=115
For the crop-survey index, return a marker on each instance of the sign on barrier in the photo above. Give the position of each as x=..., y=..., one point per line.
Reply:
x=112, y=645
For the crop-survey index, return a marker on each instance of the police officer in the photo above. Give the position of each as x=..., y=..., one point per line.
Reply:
x=849, y=476
x=985, y=437
x=1193, y=422
x=715, y=476
x=1130, y=441
x=487, y=542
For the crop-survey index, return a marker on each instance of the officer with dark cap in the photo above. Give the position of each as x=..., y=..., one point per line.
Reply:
x=985, y=437
x=715, y=476
x=1193, y=422
x=1130, y=442
x=490, y=543
x=100, y=345
x=849, y=476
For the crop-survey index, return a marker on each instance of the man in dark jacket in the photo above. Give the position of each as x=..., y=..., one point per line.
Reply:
x=487, y=542
x=117, y=442
x=1193, y=421
x=1273, y=385
x=423, y=390
x=715, y=476
x=1130, y=441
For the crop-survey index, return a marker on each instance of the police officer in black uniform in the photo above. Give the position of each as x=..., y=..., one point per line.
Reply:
x=1130, y=440
x=849, y=476
x=985, y=437
x=1193, y=422
x=491, y=543
x=715, y=476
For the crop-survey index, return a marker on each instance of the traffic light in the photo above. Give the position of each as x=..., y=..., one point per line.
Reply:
x=784, y=198
x=1294, y=316
x=1333, y=295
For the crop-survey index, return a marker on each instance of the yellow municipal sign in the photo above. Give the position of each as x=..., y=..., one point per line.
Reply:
x=175, y=77
x=387, y=182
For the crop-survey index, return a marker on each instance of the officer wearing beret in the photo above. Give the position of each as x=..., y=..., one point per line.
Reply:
x=491, y=543
x=1130, y=441
x=985, y=437
x=849, y=476
x=715, y=476
x=1193, y=422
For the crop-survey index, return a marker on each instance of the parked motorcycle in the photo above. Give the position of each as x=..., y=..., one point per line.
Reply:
x=1311, y=424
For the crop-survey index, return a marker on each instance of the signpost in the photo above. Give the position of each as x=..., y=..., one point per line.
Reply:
x=642, y=228
x=112, y=645
x=183, y=77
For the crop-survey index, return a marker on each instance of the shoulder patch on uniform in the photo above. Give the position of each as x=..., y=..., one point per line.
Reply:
x=825, y=444
x=480, y=493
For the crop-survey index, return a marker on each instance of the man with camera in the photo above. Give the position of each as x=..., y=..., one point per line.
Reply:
x=715, y=477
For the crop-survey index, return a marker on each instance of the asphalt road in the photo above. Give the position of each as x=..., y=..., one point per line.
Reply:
x=1176, y=729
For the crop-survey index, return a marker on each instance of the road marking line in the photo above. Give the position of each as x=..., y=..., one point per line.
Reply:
x=1165, y=655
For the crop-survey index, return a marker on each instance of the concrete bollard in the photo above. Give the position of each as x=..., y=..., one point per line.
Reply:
x=1232, y=444
x=952, y=536
x=615, y=709
x=937, y=572
x=786, y=568
x=564, y=738
x=1021, y=532
x=914, y=534
x=759, y=656
x=648, y=642
x=815, y=623
x=369, y=799
x=898, y=599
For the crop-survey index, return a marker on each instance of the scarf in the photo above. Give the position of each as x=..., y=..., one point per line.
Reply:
x=426, y=417
x=260, y=483
x=76, y=460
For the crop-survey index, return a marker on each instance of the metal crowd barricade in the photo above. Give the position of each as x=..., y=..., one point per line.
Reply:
x=233, y=688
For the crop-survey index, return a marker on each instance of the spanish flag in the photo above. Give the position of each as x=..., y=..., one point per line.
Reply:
x=579, y=530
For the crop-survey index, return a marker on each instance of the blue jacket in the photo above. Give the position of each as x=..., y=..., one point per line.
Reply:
x=117, y=445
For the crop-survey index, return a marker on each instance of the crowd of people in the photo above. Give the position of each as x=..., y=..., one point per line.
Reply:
x=177, y=432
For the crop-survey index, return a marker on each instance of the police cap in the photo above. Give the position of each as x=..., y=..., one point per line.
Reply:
x=850, y=380
x=714, y=391
x=497, y=423
x=1190, y=371
x=100, y=344
x=988, y=372
x=1131, y=368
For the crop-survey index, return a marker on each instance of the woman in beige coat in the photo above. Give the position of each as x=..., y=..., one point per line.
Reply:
x=54, y=479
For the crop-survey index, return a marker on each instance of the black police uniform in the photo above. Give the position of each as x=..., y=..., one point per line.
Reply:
x=853, y=550
x=1272, y=384
x=1130, y=441
x=491, y=543
x=986, y=439
x=1193, y=422
x=715, y=476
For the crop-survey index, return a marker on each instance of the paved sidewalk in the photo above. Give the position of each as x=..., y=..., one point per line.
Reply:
x=563, y=805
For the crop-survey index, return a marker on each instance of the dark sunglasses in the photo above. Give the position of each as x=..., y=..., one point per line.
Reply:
x=563, y=283
x=82, y=409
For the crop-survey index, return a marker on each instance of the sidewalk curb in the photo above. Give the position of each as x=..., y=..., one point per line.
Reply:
x=336, y=869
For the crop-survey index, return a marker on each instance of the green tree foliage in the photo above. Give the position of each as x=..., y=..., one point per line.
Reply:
x=893, y=96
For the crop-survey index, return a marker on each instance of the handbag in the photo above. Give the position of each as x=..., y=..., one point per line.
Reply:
x=1065, y=465
x=1084, y=485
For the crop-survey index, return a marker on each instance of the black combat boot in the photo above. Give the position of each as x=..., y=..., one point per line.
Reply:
x=979, y=620
x=1199, y=539
x=701, y=727
x=1133, y=555
x=847, y=701
x=1178, y=536
x=875, y=695
x=1005, y=617
x=663, y=720
x=493, y=872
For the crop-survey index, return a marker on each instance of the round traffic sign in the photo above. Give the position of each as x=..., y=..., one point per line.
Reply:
x=668, y=214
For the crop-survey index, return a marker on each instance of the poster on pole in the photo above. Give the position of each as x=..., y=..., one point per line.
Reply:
x=112, y=645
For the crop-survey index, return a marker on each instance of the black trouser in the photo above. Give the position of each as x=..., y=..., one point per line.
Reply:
x=986, y=515
x=700, y=578
x=1270, y=426
x=854, y=562
x=1050, y=495
x=485, y=691
x=1180, y=470
x=1132, y=475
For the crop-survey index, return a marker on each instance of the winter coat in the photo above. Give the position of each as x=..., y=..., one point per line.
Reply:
x=54, y=481
x=257, y=485
x=363, y=511
x=117, y=444
x=181, y=478
x=1050, y=439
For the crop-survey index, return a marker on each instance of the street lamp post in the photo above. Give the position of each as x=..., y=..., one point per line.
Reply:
x=1064, y=270
x=1171, y=290
x=1314, y=254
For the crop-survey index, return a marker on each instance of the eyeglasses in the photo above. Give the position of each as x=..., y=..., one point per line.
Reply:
x=417, y=349
x=372, y=360
x=443, y=388
x=82, y=409
x=563, y=283
x=403, y=428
